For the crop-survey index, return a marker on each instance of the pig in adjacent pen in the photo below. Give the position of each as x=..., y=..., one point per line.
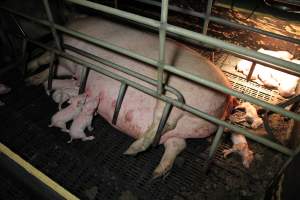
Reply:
x=140, y=113
x=271, y=78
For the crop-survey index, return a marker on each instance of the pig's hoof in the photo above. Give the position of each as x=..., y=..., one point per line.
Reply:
x=138, y=146
x=88, y=138
x=159, y=172
x=65, y=130
x=226, y=152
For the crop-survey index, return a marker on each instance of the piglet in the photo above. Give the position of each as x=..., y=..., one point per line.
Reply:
x=244, y=66
x=278, y=54
x=266, y=76
x=84, y=120
x=240, y=146
x=251, y=114
x=62, y=95
x=60, y=118
x=287, y=82
x=60, y=84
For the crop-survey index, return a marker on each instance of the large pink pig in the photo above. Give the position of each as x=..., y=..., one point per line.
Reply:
x=140, y=113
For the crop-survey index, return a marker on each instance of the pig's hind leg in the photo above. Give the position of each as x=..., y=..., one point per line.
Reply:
x=142, y=143
x=173, y=147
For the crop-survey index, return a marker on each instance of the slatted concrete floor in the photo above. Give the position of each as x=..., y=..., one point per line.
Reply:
x=98, y=169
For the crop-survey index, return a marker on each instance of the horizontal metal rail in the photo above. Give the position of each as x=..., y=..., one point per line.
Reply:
x=126, y=71
x=101, y=69
x=222, y=21
x=182, y=32
x=191, y=35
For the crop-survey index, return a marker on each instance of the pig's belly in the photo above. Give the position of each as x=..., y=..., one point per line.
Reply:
x=137, y=109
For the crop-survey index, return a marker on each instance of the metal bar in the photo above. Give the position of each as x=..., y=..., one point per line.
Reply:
x=126, y=71
x=223, y=21
x=51, y=70
x=182, y=33
x=162, y=45
x=83, y=78
x=226, y=90
x=116, y=12
x=24, y=48
x=122, y=92
x=207, y=16
x=233, y=48
x=164, y=118
x=251, y=71
x=116, y=4
x=216, y=142
x=214, y=147
x=101, y=69
x=181, y=73
x=50, y=19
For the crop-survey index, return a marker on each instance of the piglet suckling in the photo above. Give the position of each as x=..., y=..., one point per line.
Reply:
x=60, y=118
x=251, y=114
x=60, y=84
x=84, y=120
x=240, y=146
x=62, y=95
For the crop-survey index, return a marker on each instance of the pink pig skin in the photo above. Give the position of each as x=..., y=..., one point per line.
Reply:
x=84, y=120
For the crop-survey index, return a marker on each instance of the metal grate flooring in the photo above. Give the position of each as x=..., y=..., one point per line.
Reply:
x=254, y=89
x=98, y=169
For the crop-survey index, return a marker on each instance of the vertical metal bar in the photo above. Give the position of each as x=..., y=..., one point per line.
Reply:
x=120, y=98
x=24, y=48
x=24, y=44
x=51, y=70
x=214, y=147
x=207, y=16
x=83, y=78
x=216, y=142
x=164, y=118
x=162, y=42
x=116, y=4
x=53, y=30
x=251, y=71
